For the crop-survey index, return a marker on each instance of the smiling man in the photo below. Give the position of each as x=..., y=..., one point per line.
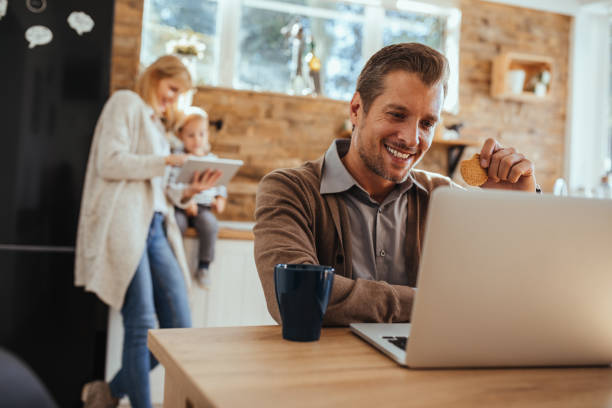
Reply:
x=361, y=208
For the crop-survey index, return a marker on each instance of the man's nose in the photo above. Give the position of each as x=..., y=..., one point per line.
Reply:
x=409, y=134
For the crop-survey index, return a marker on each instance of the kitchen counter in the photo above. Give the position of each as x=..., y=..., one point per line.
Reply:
x=229, y=230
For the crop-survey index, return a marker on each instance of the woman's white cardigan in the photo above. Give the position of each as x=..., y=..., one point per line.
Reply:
x=117, y=204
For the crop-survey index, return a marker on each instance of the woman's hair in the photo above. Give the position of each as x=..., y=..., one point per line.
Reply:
x=167, y=66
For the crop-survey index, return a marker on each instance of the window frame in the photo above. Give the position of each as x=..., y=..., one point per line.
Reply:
x=228, y=24
x=608, y=141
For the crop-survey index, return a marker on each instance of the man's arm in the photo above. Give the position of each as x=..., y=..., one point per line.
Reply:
x=284, y=234
x=282, y=231
x=361, y=300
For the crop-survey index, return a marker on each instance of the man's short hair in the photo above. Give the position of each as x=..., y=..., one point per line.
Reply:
x=430, y=65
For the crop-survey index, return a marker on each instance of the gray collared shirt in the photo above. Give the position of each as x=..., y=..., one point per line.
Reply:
x=377, y=231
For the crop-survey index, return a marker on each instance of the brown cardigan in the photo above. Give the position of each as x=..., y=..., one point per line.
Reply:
x=296, y=224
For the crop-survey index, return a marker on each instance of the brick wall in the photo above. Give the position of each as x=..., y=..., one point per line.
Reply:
x=126, y=43
x=269, y=130
x=536, y=129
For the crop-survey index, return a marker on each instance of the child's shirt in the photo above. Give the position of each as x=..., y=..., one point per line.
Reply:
x=206, y=197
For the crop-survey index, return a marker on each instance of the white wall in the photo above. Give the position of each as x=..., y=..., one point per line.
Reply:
x=588, y=100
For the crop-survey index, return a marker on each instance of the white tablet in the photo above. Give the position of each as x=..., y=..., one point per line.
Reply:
x=228, y=168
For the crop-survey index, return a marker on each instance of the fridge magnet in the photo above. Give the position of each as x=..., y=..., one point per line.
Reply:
x=3, y=4
x=80, y=22
x=36, y=6
x=38, y=35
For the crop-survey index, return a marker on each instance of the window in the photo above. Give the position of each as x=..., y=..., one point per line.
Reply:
x=402, y=26
x=185, y=27
x=266, y=57
x=264, y=45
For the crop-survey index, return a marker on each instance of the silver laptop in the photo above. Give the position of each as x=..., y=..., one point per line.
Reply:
x=508, y=279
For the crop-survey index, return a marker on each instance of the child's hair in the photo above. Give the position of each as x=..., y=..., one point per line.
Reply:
x=189, y=115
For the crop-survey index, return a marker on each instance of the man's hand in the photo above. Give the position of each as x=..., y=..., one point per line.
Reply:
x=507, y=169
x=192, y=209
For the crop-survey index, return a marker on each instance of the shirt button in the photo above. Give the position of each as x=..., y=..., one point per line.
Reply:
x=382, y=252
x=380, y=210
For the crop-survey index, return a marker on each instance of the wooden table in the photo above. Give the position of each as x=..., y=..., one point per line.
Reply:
x=254, y=366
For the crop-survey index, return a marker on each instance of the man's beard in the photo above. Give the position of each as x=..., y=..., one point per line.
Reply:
x=376, y=164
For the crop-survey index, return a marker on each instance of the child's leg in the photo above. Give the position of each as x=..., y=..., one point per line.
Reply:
x=181, y=219
x=207, y=226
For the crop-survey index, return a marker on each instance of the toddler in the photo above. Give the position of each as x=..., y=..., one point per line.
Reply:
x=197, y=209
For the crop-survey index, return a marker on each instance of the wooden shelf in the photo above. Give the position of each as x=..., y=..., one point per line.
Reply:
x=528, y=97
x=532, y=65
x=456, y=142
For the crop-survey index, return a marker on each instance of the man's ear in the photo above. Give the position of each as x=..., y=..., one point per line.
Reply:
x=355, y=108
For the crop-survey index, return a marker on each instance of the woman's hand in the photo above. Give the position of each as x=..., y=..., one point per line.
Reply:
x=201, y=181
x=176, y=160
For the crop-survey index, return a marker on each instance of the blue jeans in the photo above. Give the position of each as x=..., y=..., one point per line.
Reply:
x=158, y=288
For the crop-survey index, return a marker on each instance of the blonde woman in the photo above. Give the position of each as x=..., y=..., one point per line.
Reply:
x=129, y=250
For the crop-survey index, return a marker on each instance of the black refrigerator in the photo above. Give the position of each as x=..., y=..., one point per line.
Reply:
x=54, y=80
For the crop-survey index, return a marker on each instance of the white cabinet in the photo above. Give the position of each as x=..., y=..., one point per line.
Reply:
x=235, y=297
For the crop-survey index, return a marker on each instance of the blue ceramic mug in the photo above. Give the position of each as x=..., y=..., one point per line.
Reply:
x=302, y=293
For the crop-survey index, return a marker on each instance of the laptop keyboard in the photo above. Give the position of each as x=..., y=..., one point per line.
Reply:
x=399, y=341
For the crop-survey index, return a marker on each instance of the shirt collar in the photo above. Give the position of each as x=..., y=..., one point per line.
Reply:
x=336, y=178
x=150, y=112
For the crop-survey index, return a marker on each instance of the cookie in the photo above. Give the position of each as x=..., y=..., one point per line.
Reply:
x=472, y=173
